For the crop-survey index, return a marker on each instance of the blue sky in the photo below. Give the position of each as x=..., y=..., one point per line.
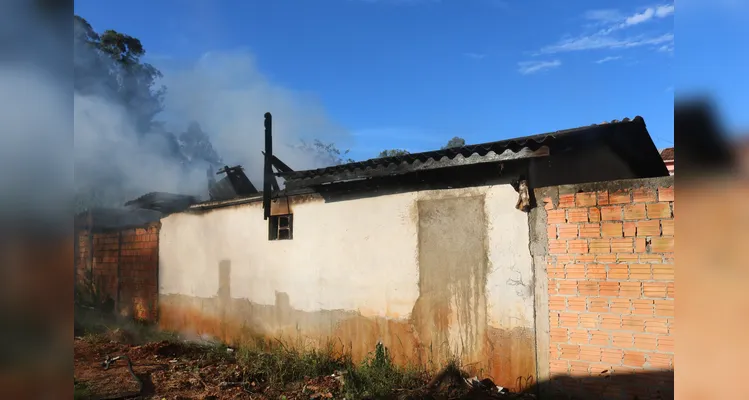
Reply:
x=414, y=73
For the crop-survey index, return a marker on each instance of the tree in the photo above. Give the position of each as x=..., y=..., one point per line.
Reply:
x=109, y=65
x=393, y=153
x=325, y=154
x=454, y=142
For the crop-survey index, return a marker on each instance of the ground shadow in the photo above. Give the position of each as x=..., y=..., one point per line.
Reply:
x=620, y=386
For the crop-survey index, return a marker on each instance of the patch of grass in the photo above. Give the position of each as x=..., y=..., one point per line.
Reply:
x=377, y=376
x=277, y=365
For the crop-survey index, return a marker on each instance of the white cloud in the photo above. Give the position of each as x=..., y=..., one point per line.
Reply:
x=596, y=42
x=639, y=18
x=607, y=59
x=531, y=67
x=475, y=56
x=607, y=15
x=664, y=11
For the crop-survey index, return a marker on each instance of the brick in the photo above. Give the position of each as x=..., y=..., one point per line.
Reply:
x=640, y=245
x=670, y=290
x=622, y=339
x=611, y=322
x=574, y=271
x=640, y=272
x=643, y=195
x=557, y=303
x=576, y=304
x=634, y=211
x=568, y=320
x=660, y=361
x=600, y=246
x=594, y=214
x=618, y=271
x=585, y=199
x=664, y=308
x=577, y=246
x=622, y=245
x=579, y=368
x=651, y=258
x=659, y=210
x=558, y=367
x=649, y=228
x=643, y=307
x=633, y=359
x=612, y=356
x=656, y=325
x=584, y=258
x=554, y=319
x=551, y=231
x=595, y=271
x=611, y=213
x=663, y=272
x=556, y=216
x=630, y=289
x=620, y=197
x=620, y=306
x=598, y=305
x=548, y=203
x=665, y=344
x=599, y=338
x=666, y=194
x=588, y=288
x=590, y=353
x=589, y=320
x=630, y=229
x=603, y=197
x=605, y=258
x=662, y=245
x=608, y=289
x=645, y=341
x=569, y=351
x=558, y=335
x=557, y=246
x=577, y=215
x=566, y=200
x=611, y=229
x=590, y=231
x=555, y=271
x=667, y=227
x=578, y=336
x=567, y=231
x=654, y=289
x=633, y=323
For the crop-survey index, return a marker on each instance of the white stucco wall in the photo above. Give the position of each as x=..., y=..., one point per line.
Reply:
x=352, y=255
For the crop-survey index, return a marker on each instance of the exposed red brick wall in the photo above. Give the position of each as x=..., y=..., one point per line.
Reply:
x=610, y=270
x=123, y=265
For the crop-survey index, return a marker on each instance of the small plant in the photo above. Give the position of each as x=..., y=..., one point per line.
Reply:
x=378, y=376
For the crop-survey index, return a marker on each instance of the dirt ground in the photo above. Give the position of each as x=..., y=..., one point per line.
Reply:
x=171, y=370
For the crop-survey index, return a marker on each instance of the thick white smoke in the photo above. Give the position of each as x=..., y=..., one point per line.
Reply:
x=226, y=94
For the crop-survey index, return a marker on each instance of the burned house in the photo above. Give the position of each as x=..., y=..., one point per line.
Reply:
x=427, y=253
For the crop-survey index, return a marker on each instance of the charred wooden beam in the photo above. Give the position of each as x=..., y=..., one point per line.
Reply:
x=269, y=180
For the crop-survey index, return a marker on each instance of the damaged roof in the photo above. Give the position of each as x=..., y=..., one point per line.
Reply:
x=628, y=137
x=162, y=202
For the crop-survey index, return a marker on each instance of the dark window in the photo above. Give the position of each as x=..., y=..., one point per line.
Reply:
x=280, y=227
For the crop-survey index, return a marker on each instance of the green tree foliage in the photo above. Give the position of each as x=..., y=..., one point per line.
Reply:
x=454, y=142
x=325, y=154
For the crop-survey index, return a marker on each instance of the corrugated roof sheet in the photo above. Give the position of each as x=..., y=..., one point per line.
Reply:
x=516, y=148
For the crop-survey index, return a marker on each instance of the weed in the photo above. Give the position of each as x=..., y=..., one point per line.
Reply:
x=377, y=376
x=276, y=364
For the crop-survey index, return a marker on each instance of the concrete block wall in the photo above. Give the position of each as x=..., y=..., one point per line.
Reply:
x=609, y=278
x=123, y=265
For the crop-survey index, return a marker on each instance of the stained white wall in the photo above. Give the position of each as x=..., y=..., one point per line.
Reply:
x=353, y=255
